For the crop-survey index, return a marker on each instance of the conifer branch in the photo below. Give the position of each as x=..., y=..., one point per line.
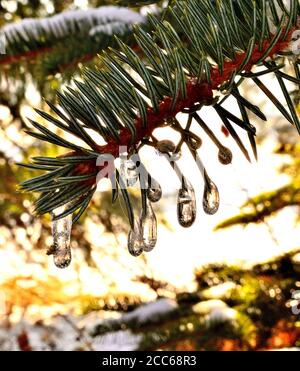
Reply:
x=185, y=65
x=61, y=40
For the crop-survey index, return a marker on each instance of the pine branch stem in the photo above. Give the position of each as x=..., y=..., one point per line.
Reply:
x=31, y=54
x=197, y=92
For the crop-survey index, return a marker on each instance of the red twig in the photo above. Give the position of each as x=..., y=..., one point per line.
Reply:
x=196, y=92
x=86, y=58
x=31, y=54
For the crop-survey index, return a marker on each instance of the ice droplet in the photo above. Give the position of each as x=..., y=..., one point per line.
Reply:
x=128, y=171
x=148, y=224
x=186, y=205
x=135, y=242
x=61, y=232
x=211, y=198
x=154, y=191
x=225, y=156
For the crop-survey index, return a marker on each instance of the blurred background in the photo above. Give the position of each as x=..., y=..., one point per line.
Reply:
x=231, y=282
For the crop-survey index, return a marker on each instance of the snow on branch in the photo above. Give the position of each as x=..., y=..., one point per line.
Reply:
x=106, y=19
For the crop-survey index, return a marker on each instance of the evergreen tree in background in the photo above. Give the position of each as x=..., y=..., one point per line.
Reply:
x=180, y=57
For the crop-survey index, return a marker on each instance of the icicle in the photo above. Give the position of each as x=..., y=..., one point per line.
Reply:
x=154, y=191
x=186, y=205
x=61, y=232
x=225, y=156
x=148, y=224
x=128, y=171
x=211, y=198
x=135, y=242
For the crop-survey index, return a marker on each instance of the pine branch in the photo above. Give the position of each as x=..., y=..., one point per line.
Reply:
x=64, y=39
x=184, y=66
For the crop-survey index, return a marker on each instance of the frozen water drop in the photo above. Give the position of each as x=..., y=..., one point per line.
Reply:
x=148, y=224
x=61, y=232
x=135, y=243
x=211, y=198
x=63, y=258
x=154, y=191
x=186, y=205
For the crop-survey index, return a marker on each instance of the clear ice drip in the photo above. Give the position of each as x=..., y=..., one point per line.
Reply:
x=186, y=205
x=61, y=233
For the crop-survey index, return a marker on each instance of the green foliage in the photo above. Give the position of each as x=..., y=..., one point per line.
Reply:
x=57, y=45
x=255, y=314
x=198, y=43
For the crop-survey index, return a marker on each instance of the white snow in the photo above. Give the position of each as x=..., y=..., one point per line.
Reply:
x=219, y=291
x=208, y=306
x=106, y=19
x=215, y=311
x=69, y=333
x=144, y=313
x=222, y=315
x=150, y=311
x=117, y=341
x=109, y=29
x=126, y=340
x=72, y=333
